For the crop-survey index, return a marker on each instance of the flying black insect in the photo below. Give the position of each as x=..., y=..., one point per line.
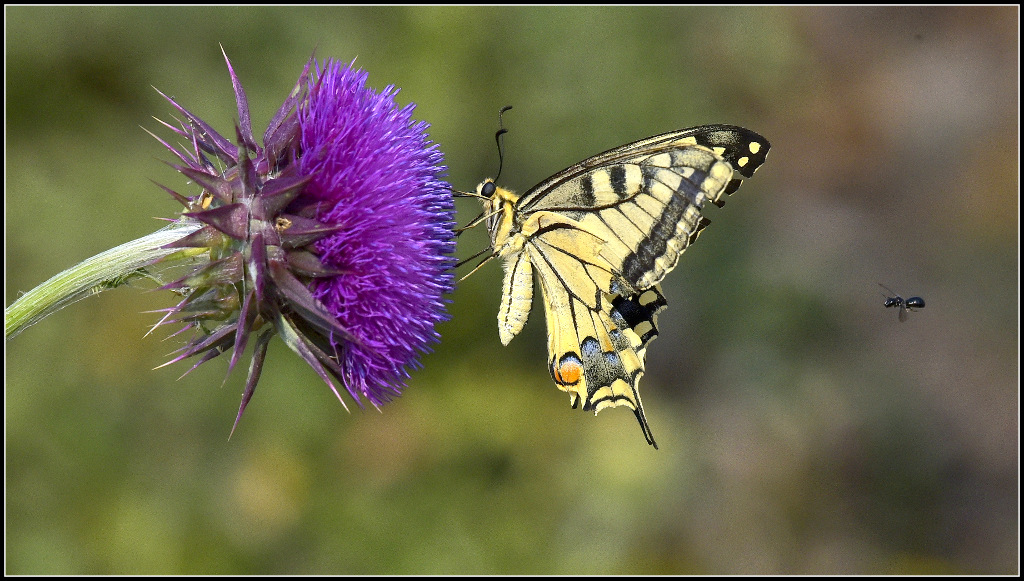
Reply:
x=904, y=305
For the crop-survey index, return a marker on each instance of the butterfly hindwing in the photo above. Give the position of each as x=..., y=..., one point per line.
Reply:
x=596, y=354
x=600, y=236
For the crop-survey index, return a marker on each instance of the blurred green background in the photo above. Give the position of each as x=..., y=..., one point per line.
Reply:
x=802, y=428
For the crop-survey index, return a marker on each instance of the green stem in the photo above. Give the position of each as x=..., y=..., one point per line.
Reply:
x=106, y=270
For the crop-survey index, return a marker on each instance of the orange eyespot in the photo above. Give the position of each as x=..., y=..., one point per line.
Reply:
x=569, y=370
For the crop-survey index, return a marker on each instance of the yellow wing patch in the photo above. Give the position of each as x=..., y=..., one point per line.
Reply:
x=600, y=236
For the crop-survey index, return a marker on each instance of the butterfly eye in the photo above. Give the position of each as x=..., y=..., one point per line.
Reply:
x=488, y=189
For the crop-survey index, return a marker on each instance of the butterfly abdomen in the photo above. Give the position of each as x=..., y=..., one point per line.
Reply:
x=517, y=297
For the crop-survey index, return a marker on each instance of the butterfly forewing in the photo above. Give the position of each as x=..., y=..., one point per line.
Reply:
x=743, y=149
x=650, y=207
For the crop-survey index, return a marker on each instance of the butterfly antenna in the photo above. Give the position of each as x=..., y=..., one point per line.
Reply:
x=482, y=262
x=501, y=143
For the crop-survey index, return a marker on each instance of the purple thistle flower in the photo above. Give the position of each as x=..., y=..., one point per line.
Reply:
x=335, y=234
x=375, y=172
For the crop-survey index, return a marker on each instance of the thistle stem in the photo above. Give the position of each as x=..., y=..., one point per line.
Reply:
x=107, y=270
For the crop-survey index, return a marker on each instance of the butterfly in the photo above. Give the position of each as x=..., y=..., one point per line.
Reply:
x=599, y=236
x=905, y=305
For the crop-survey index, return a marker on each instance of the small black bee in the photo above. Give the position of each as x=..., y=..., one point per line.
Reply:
x=905, y=305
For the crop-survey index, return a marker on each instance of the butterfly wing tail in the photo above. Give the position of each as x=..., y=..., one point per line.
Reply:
x=593, y=358
x=613, y=367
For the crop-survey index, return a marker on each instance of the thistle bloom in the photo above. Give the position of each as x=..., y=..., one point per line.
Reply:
x=335, y=233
